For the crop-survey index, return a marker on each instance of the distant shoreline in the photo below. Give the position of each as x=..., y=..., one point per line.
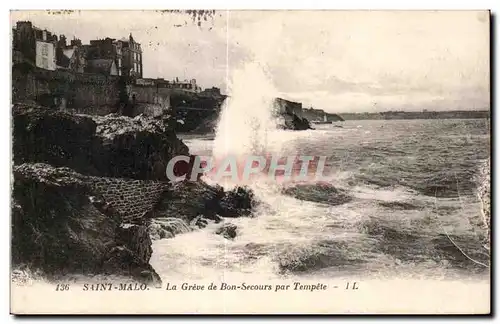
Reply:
x=388, y=115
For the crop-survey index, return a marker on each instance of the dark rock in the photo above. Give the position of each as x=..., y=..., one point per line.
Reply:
x=57, y=228
x=189, y=199
x=54, y=137
x=208, y=125
x=120, y=260
x=207, y=108
x=399, y=205
x=137, y=148
x=136, y=238
x=199, y=222
x=227, y=230
x=319, y=115
x=114, y=146
x=237, y=202
x=160, y=228
x=320, y=193
x=318, y=255
x=294, y=122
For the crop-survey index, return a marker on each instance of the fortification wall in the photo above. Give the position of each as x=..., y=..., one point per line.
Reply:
x=86, y=93
x=149, y=100
x=133, y=199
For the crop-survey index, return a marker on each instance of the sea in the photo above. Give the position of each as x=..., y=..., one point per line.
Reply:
x=410, y=208
x=394, y=226
x=406, y=236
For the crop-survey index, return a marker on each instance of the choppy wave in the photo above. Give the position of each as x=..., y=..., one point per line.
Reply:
x=395, y=205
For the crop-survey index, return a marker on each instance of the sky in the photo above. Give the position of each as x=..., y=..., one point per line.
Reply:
x=338, y=61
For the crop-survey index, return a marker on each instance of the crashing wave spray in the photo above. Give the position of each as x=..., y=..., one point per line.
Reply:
x=247, y=119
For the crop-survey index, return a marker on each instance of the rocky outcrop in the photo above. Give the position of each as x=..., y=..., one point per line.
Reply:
x=288, y=121
x=208, y=125
x=319, y=115
x=193, y=110
x=293, y=122
x=187, y=200
x=137, y=148
x=193, y=205
x=320, y=193
x=227, y=230
x=112, y=146
x=237, y=202
x=53, y=137
x=89, y=193
x=61, y=227
x=167, y=227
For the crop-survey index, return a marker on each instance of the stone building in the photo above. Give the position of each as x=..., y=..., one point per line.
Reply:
x=126, y=54
x=213, y=92
x=37, y=46
x=106, y=49
x=102, y=66
x=132, y=57
x=186, y=85
x=71, y=57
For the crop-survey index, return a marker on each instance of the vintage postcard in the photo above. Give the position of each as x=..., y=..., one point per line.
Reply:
x=250, y=162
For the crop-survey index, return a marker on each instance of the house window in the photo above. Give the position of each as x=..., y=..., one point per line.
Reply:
x=45, y=50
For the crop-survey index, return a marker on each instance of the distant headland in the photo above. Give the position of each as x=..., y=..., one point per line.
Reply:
x=451, y=114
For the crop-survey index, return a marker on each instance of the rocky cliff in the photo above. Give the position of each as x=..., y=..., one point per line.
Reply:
x=87, y=190
x=287, y=120
x=293, y=122
x=319, y=114
x=114, y=146
x=61, y=226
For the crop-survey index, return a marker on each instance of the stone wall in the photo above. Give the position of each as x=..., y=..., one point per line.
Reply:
x=149, y=100
x=133, y=199
x=84, y=92
x=62, y=226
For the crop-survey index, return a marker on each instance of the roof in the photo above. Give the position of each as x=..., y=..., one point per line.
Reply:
x=68, y=52
x=100, y=66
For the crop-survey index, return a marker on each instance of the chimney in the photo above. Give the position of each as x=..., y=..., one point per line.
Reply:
x=76, y=42
x=62, y=41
